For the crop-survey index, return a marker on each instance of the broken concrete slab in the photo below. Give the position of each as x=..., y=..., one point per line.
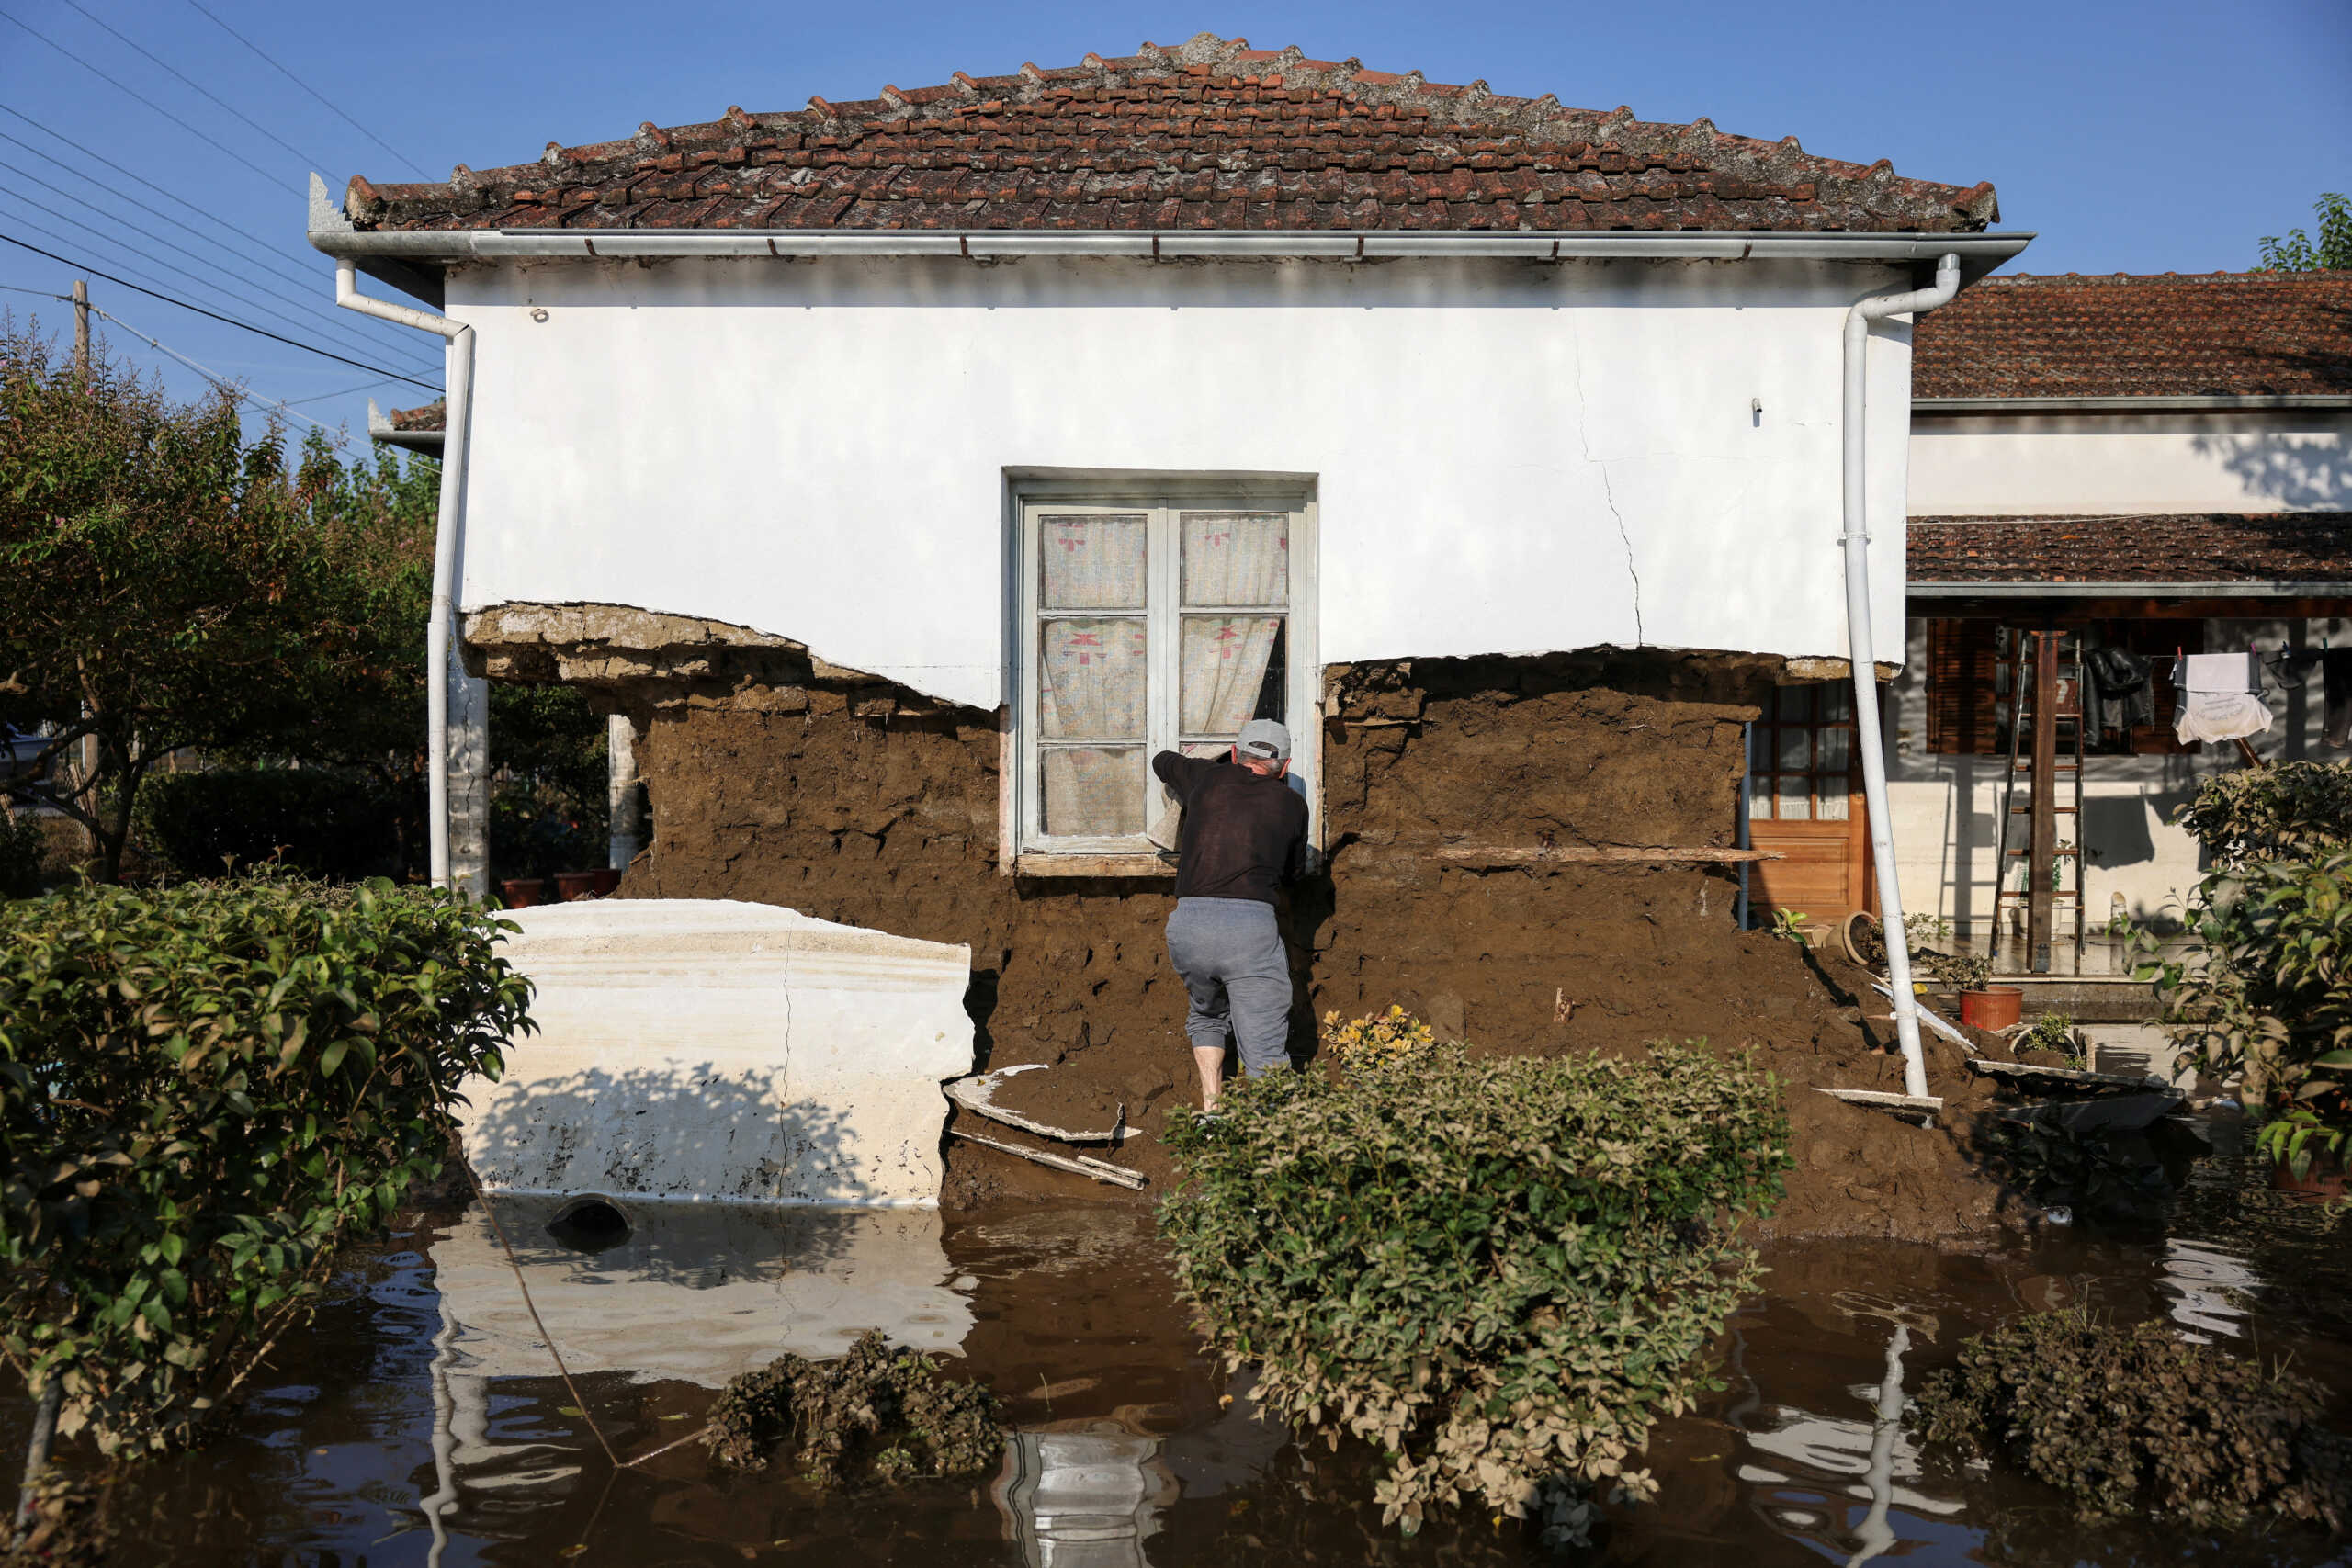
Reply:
x=710, y=1049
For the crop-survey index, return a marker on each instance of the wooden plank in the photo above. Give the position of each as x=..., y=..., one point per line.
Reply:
x=2027, y=1072
x=1101, y=1170
x=1881, y=1100
x=1144, y=865
x=1477, y=855
x=978, y=1095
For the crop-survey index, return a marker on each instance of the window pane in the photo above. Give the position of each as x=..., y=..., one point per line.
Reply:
x=1092, y=678
x=1796, y=751
x=1237, y=558
x=1760, y=746
x=1092, y=562
x=1795, y=806
x=1836, y=746
x=1796, y=704
x=1759, y=799
x=1831, y=800
x=1220, y=747
x=1093, y=790
x=1229, y=672
x=1837, y=704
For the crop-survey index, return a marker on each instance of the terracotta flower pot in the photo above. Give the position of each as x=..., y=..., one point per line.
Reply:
x=571, y=884
x=1994, y=1007
x=522, y=892
x=2322, y=1183
x=609, y=880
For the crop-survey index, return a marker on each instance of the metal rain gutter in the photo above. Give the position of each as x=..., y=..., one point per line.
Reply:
x=2237, y=589
x=429, y=442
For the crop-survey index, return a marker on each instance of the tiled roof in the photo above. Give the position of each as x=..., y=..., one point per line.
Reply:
x=1210, y=134
x=431, y=416
x=2198, y=547
x=2231, y=334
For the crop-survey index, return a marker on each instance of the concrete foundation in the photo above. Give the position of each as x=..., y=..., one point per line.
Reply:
x=707, y=1049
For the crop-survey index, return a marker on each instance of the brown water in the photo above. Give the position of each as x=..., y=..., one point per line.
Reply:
x=419, y=1423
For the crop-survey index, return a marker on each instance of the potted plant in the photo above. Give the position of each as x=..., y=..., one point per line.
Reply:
x=522, y=892
x=571, y=884
x=1982, y=1004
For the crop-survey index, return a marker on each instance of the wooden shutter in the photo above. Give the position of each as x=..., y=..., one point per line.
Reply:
x=1962, y=700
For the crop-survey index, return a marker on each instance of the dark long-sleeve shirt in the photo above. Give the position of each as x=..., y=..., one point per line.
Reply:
x=1244, y=833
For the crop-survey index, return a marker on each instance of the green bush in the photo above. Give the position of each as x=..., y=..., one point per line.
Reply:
x=877, y=1413
x=1499, y=1271
x=2284, y=810
x=203, y=1091
x=2266, y=993
x=322, y=822
x=24, y=854
x=2128, y=1419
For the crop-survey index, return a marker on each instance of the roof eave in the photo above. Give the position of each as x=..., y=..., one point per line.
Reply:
x=2201, y=403
x=2045, y=589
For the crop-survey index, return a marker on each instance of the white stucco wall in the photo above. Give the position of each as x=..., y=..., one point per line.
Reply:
x=1947, y=809
x=2107, y=464
x=1509, y=457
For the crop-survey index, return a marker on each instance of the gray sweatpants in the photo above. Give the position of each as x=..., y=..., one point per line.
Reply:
x=1230, y=953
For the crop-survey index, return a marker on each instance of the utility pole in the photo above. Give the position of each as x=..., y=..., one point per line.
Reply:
x=86, y=764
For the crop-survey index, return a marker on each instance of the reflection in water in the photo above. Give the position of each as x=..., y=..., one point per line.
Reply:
x=438, y=1408
x=1084, y=1498
x=2210, y=1287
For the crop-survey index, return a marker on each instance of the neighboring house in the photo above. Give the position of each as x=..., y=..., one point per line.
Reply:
x=910, y=469
x=2159, y=464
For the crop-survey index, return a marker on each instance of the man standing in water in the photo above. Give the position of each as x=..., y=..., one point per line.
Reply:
x=1245, y=832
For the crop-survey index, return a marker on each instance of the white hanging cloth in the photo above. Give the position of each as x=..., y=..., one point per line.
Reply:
x=2220, y=697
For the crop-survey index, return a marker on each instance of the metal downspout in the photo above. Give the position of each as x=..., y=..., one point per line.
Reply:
x=1861, y=656
x=459, y=377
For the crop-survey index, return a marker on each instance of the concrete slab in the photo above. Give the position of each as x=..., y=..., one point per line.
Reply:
x=709, y=1049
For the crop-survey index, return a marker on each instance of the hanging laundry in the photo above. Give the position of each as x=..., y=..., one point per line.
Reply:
x=2336, y=688
x=2220, y=697
x=2127, y=695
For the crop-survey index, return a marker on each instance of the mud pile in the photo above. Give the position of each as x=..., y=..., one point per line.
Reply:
x=852, y=799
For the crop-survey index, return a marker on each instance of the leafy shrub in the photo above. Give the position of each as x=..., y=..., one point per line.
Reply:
x=1499, y=1271
x=24, y=854
x=319, y=821
x=1379, y=1042
x=2267, y=992
x=2132, y=1418
x=2284, y=810
x=203, y=1091
x=877, y=1413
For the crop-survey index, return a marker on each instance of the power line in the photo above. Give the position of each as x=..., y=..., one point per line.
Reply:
x=312, y=91
x=307, y=305
x=201, y=283
x=230, y=320
x=261, y=247
x=197, y=87
x=341, y=439
x=144, y=98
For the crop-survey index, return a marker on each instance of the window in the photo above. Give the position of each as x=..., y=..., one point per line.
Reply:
x=1801, y=756
x=1158, y=623
x=1973, y=670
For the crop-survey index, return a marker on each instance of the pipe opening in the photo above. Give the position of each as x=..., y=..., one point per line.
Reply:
x=589, y=1222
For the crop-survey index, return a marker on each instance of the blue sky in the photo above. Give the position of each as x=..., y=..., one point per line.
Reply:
x=2145, y=137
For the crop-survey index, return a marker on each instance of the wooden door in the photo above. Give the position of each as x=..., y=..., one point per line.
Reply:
x=1805, y=801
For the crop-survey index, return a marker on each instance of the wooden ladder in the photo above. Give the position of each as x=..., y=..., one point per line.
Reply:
x=2045, y=701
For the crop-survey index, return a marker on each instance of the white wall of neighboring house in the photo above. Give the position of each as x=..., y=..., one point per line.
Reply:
x=1509, y=457
x=1947, y=809
x=2116, y=464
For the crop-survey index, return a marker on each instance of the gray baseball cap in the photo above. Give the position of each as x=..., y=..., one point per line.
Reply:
x=1265, y=739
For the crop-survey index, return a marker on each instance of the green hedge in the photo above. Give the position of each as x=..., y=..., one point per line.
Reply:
x=2286, y=809
x=202, y=1091
x=320, y=821
x=1501, y=1271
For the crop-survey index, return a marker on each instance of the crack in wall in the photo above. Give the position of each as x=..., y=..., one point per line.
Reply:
x=1608, y=485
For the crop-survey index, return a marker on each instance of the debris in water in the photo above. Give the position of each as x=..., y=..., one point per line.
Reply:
x=978, y=1095
x=877, y=1413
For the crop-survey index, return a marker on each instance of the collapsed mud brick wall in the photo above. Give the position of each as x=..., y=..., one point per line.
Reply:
x=778, y=778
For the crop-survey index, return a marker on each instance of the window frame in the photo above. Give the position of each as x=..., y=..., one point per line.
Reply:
x=1024, y=842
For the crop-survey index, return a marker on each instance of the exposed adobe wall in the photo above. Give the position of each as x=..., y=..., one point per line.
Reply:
x=775, y=779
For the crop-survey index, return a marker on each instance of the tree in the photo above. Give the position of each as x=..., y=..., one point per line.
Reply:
x=2296, y=253
x=169, y=584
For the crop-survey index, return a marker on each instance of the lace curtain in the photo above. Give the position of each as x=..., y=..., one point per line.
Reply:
x=1231, y=559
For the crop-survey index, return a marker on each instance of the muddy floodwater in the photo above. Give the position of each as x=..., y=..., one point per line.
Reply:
x=419, y=1420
